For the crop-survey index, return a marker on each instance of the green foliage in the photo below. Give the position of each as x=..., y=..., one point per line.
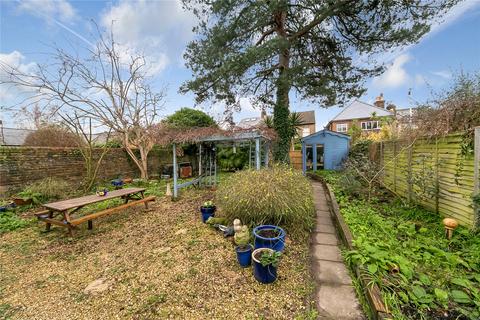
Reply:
x=188, y=118
x=230, y=160
x=355, y=131
x=404, y=251
x=278, y=195
x=270, y=258
x=208, y=204
x=10, y=221
x=264, y=49
x=217, y=220
x=46, y=189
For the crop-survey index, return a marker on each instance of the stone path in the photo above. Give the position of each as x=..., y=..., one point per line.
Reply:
x=335, y=295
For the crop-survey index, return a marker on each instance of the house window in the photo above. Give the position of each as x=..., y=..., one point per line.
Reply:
x=305, y=132
x=342, y=127
x=370, y=125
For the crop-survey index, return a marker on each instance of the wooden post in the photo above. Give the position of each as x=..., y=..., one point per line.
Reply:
x=304, y=158
x=257, y=153
x=395, y=166
x=437, y=183
x=409, y=172
x=476, y=175
x=175, y=191
x=314, y=151
x=200, y=160
x=267, y=151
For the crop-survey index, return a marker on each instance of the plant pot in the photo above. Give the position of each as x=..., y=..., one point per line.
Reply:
x=22, y=201
x=263, y=274
x=207, y=212
x=127, y=180
x=244, y=255
x=269, y=236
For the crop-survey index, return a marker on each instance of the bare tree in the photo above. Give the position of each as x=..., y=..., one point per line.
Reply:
x=82, y=127
x=108, y=84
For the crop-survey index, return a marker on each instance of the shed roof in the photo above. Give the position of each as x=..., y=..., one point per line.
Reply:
x=360, y=110
x=325, y=131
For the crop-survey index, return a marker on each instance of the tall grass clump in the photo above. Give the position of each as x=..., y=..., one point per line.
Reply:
x=47, y=189
x=278, y=195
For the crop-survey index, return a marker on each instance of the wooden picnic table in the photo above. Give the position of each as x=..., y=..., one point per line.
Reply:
x=65, y=208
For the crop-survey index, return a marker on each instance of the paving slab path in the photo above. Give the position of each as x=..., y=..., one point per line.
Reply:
x=335, y=295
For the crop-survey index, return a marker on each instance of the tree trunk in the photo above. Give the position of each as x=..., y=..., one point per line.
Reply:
x=142, y=163
x=281, y=109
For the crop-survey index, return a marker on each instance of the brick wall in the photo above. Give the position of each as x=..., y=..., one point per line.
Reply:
x=20, y=166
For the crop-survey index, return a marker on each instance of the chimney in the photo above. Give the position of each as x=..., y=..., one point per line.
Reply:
x=379, y=101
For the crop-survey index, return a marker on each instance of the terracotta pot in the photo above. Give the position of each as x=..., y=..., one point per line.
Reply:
x=127, y=180
x=22, y=201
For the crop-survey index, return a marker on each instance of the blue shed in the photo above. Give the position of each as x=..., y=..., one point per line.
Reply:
x=324, y=149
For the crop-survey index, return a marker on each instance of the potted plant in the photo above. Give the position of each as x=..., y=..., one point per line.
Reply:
x=243, y=248
x=101, y=192
x=207, y=210
x=265, y=263
x=25, y=198
x=269, y=236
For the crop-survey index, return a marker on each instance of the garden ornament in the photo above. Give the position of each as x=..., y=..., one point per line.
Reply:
x=168, y=193
x=450, y=225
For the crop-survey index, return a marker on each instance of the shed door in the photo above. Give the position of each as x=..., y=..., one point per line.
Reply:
x=320, y=161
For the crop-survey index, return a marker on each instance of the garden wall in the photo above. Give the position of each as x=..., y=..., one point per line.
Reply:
x=20, y=166
x=434, y=173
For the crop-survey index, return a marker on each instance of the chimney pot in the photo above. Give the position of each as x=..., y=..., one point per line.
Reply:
x=379, y=101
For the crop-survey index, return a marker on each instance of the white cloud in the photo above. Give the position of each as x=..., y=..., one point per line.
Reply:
x=395, y=75
x=15, y=60
x=443, y=74
x=158, y=29
x=419, y=80
x=49, y=10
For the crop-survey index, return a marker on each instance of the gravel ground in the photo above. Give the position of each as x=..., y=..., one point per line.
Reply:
x=158, y=264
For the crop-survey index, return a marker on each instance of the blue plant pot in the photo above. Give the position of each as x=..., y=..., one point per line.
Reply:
x=263, y=274
x=207, y=213
x=276, y=243
x=244, y=255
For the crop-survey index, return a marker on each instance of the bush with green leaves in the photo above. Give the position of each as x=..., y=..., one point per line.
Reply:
x=279, y=195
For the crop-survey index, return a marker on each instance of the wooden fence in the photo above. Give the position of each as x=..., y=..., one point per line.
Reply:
x=434, y=173
x=296, y=159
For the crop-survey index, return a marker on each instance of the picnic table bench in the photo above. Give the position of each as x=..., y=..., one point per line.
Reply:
x=64, y=209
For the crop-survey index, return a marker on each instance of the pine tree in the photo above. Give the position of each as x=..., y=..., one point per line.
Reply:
x=321, y=49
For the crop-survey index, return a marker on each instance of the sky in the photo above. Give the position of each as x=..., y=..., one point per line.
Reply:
x=161, y=29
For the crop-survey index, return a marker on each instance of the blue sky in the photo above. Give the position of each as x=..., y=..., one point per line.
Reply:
x=161, y=29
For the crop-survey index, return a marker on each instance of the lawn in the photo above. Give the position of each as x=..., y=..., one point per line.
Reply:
x=403, y=249
x=160, y=263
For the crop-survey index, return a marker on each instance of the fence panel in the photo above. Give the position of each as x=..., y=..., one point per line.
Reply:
x=433, y=173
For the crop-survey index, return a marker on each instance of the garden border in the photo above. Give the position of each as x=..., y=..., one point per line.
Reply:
x=372, y=293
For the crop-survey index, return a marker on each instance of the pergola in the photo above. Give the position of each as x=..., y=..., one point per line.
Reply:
x=207, y=139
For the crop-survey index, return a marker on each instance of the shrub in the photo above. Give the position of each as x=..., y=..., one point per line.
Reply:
x=278, y=195
x=52, y=136
x=46, y=189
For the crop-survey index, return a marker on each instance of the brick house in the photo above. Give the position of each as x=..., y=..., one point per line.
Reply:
x=363, y=114
x=308, y=123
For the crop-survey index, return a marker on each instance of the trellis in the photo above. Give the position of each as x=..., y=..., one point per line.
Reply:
x=207, y=161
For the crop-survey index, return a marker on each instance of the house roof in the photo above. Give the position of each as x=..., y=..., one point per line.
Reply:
x=248, y=123
x=360, y=110
x=325, y=131
x=307, y=117
x=13, y=136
